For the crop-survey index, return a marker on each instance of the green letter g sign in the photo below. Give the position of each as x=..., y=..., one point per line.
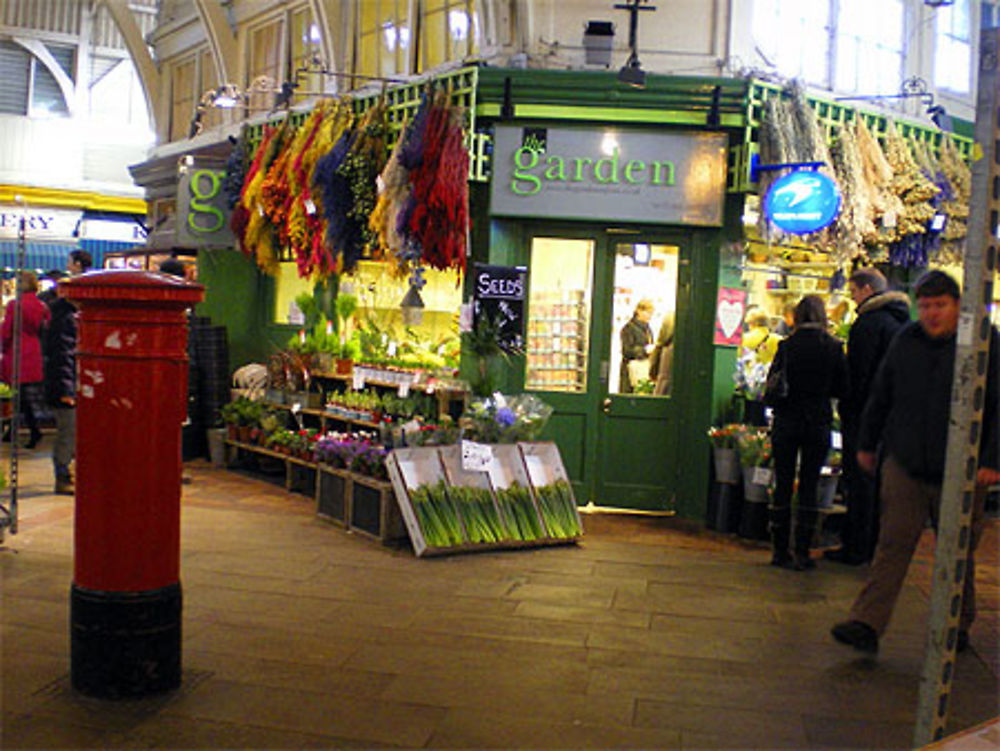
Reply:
x=199, y=201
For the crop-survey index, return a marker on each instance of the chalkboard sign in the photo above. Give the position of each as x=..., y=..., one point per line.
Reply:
x=498, y=293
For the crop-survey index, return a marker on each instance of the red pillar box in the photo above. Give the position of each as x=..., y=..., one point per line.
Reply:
x=132, y=368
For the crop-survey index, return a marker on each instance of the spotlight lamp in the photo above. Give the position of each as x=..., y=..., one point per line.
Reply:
x=632, y=73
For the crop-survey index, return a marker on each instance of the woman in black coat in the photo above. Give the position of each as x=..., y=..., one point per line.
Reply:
x=816, y=372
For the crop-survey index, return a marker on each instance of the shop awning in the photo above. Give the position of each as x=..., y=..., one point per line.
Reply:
x=38, y=256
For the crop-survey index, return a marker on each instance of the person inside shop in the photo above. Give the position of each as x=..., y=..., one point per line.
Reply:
x=881, y=313
x=34, y=317
x=662, y=356
x=637, y=344
x=787, y=323
x=758, y=337
x=908, y=413
x=815, y=370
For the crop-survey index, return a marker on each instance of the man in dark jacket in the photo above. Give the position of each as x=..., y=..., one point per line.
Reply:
x=59, y=351
x=908, y=412
x=59, y=346
x=881, y=313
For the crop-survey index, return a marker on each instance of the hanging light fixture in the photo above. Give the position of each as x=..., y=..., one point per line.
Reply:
x=632, y=72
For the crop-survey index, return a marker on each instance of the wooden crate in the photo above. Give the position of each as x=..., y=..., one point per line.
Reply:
x=373, y=510
x=544, y=465
x=333, y=495
x=410, y=468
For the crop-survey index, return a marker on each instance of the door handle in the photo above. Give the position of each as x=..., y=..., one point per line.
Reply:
x=606, y=406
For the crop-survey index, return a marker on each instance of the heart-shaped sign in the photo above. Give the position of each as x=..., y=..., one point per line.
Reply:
x=730, y=316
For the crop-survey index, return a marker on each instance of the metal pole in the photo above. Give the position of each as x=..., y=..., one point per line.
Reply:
x=967, y=396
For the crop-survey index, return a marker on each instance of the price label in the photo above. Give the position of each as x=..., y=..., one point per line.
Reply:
x=404, y=389
x=761, y=476
x=358, y=379
x=476, y=457
x=837, y=440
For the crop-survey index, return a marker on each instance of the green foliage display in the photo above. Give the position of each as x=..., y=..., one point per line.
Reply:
x=519, y=512
x=437, y=516
x=558, y=509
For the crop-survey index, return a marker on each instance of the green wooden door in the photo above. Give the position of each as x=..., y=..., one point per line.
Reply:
x=619, y=448
x=647, y=287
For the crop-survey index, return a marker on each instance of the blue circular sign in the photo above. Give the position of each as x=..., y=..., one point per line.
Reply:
x=802, y=201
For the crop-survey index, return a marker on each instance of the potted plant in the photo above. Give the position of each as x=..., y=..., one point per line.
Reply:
x=483, y=343
x=350, y=348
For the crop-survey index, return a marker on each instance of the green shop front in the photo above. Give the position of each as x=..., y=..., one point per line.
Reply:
x=610, y=203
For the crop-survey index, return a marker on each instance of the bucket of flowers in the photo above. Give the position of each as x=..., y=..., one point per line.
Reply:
x=724, y=455
x=754, y=447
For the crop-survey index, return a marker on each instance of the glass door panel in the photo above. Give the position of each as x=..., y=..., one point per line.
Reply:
x=645, y=287
x=559, y=301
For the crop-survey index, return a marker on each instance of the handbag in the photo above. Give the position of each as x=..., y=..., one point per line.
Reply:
x=776, y=385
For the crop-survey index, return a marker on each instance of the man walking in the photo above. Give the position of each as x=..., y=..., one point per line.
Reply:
x=59, y=347
x=880, y=314
x=908, y=412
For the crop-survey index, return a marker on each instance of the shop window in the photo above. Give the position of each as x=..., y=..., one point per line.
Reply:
x=15, y=72
x=379, y=292
x=384, y=37
x=209, y=79
x=304, y=45
x=794, y=37
x=29, y=87
x=265, y=60
x=953, y=47
x=182, y=78
x=47, y=99
x=287, y=286
x=870, y=40
x=645, y=289
x=449, y=31
x=556, y=354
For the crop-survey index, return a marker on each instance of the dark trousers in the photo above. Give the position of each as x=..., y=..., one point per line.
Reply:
x=860, y=524
x=808, y=443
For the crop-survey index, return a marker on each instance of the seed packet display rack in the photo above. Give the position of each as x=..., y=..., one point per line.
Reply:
x=516, y=471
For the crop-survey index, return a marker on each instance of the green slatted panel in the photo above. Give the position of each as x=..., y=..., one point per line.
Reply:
x=830, y=114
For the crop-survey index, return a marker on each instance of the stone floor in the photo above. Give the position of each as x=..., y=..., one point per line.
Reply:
x=648, y=634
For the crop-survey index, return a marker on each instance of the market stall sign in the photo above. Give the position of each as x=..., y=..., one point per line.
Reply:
x=202, y=209
x=602, y=174
x=40, y=223
x=498, y=293
x=802, y=201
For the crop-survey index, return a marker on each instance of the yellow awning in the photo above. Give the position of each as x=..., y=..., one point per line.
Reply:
x=77, y=199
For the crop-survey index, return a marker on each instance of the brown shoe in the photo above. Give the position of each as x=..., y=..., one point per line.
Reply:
x=65, y=488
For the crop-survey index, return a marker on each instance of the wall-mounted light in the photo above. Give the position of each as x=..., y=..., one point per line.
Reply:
x=598, y=37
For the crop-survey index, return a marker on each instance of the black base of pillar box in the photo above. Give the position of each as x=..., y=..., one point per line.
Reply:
x=125, y=644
